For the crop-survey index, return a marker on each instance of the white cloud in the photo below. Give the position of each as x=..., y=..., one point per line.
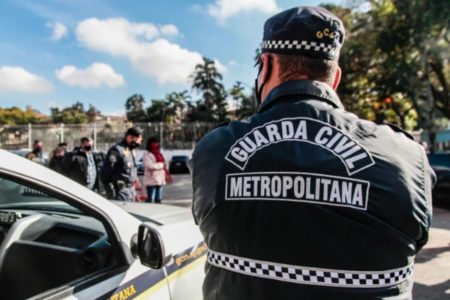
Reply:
x=142, y=45
x=59, y=30
x=220, y=67
x=17, y=79
x=96, y=75
x=223, y=9
x=233, y=63
x=169, y=29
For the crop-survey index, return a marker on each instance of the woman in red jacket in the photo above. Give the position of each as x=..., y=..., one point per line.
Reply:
x=156, y=174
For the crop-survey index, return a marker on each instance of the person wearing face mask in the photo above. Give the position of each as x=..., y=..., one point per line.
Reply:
x=57, y=159
x=119, y=171
x=304, y=200
x=36, y=153
x=156, y=174
x=82, y=164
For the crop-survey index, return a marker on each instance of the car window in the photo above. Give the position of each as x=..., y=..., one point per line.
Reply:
x=14, y=194
x=39, y=227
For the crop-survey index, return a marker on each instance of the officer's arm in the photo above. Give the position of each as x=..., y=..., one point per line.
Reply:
x=67, y=163
x=429, y=181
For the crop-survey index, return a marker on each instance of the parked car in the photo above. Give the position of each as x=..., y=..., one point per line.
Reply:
x=178, y=164
x=140, y=167
x=440, y=162
x=60, y=240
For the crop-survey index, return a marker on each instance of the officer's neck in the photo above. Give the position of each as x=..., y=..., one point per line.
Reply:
x=275, y=81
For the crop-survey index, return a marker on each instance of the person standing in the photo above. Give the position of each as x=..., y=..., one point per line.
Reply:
x=119, y=171
x=304, y=200
x=36, y=154
x=57, y=160
x=82, y=164
x=155, y=171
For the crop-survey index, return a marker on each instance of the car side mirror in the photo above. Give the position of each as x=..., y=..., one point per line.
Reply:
x=149, y=247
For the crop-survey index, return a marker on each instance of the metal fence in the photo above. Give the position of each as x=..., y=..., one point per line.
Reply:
x=171, y=136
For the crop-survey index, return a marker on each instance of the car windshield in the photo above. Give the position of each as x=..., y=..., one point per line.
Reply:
x=16, y=195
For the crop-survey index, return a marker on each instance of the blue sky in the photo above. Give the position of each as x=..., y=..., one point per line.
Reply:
x=57, y=52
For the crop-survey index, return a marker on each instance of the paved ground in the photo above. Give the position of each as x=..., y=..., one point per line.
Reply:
x=432, y=269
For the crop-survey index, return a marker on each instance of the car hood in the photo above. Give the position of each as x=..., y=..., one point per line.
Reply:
x=157, y=213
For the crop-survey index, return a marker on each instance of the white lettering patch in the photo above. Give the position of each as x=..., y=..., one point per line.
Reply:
x=298, y=187
x=354, y=157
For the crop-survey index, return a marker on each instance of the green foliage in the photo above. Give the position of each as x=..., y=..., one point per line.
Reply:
x=155, y=112
x=14, y=115
x=397, y=50
x=75, y=114
x=244, y=104
x=135, y=111
x=208, y=81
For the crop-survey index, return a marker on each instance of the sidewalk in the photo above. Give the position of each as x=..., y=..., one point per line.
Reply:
x=432, y=269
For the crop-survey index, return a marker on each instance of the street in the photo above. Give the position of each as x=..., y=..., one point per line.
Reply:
x=432, y=268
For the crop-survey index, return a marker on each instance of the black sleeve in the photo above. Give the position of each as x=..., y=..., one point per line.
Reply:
x=109, y=166
x=66, y=164
x=429, y=180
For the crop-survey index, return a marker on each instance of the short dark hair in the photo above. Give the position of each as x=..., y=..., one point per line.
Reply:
x=291, y=66
x=84, y=139
x=133, y=131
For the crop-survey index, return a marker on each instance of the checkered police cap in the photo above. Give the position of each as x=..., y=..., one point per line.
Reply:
x=310, y=31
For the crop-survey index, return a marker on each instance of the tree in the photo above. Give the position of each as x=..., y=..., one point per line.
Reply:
x=135, y=111
x=244, y=104
x=156, y=111
x=17, y=116
x=207, y=81
x=92, y=113
x=177, y=103
x=74, y=114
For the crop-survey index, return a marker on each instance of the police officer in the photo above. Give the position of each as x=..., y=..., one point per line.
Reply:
x=305, y=200
x=119, y=171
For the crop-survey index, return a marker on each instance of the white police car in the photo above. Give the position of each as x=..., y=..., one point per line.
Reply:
x=59, y=240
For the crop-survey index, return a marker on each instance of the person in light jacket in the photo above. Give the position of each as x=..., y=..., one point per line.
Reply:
x=155, y=171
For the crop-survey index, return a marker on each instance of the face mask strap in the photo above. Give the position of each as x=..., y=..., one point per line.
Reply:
x=258, y=90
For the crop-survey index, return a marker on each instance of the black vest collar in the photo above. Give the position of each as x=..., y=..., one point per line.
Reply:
x=302, y=90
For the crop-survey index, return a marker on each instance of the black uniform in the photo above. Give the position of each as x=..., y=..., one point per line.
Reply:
x=119, y=172
x=306, y=201
x=75, y=165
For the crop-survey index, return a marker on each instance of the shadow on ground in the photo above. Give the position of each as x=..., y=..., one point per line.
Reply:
x=432, y=292
x=430, y=253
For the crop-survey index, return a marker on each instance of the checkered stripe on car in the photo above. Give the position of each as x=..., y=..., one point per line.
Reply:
x=308, y=275
x=300, y=45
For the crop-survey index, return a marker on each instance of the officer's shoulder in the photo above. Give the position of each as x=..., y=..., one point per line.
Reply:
x=398, y=129
x=216, y=139
x=115, y=149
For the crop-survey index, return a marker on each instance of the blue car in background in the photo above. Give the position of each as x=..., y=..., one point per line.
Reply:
x=440, y=162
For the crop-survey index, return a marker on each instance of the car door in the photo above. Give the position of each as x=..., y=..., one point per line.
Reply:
x=126, y=278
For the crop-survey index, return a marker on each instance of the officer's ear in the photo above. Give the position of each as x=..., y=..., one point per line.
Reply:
x=337, y=78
